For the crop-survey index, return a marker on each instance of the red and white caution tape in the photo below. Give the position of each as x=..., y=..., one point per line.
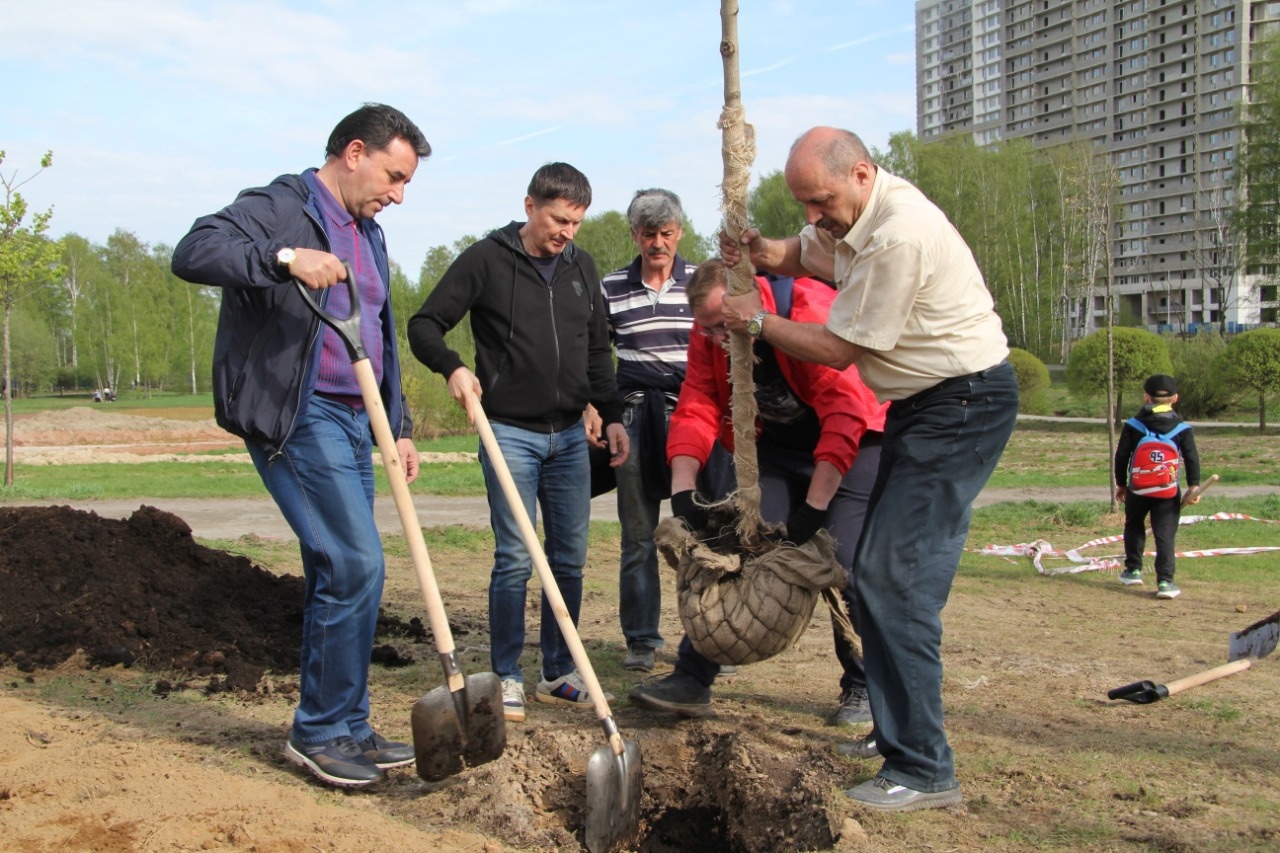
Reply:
x=1040, y=549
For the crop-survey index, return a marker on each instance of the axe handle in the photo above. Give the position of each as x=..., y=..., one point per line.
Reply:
x=1207, y=676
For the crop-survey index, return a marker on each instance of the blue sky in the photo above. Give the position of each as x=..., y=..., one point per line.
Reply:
x=159, y=111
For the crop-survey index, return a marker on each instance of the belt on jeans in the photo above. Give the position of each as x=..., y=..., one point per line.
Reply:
x=947, y=383
x=636, y=398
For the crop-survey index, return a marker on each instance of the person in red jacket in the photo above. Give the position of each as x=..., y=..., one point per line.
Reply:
x=818, y=447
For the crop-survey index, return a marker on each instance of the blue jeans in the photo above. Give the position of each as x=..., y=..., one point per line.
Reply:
x=323, y=483
x=551, y=470
x=639, y=587
x=940, y=447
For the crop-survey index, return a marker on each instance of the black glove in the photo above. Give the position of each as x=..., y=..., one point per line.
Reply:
x=687, y=510
x=805, y=522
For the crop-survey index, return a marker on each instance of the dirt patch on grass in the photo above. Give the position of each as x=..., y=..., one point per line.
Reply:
x=91, y=434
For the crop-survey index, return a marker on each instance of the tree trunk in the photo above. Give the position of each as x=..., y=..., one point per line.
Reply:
x=738, y=152
x=8, y=401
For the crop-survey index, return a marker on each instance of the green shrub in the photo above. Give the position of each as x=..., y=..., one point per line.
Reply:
x=1202, y=393
x=1033, y=382
x=1138, y=354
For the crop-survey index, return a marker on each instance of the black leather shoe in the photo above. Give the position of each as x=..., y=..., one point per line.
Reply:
x=387, y=753
x=864, y=748
x=677, y=692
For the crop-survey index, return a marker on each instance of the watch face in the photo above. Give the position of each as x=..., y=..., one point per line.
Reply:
x=285, y=257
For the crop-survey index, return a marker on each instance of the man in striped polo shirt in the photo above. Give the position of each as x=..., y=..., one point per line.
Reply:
x=650, y=321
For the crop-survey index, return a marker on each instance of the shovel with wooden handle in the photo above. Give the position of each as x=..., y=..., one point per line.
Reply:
x=461, y=724
x=614, y=774
x=1243, y=648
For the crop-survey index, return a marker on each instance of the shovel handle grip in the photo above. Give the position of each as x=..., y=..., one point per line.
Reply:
x=549, y=586
x=1207, y=676
x=349, y=330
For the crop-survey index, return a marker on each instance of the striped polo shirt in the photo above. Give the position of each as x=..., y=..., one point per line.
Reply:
x=650, y=328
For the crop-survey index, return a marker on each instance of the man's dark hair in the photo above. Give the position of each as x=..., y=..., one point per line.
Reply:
x=560, y=180
x=376, y=125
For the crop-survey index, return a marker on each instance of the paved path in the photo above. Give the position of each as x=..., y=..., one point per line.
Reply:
x=229, y=519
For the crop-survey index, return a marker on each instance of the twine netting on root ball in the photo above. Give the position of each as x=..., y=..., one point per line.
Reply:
x=739, y=605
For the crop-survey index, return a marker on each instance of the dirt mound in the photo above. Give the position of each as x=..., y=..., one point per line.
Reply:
x=139, y=591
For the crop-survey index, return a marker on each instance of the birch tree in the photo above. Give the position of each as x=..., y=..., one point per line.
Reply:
x=27, y=261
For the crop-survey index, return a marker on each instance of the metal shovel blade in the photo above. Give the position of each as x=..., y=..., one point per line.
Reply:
x=456, y=730
x=614, y=785
x=1256, y=641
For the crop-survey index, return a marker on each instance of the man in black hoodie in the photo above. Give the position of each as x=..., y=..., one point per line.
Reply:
x=542, y=353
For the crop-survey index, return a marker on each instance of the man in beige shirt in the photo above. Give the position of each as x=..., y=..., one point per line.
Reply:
x=916, y=317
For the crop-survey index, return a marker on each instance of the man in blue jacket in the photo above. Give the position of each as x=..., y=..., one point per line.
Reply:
x=542, y=353
x=284, y=383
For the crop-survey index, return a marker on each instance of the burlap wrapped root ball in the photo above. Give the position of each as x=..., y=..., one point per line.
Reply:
x=740, y=608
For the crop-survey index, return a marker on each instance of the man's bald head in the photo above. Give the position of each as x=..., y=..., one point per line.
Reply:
x=830, y=172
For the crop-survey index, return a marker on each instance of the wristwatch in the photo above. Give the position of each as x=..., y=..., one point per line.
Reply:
x=756, y=324
x=285, y=257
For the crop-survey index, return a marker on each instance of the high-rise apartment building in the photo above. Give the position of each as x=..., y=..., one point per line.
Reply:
x=1157, y=84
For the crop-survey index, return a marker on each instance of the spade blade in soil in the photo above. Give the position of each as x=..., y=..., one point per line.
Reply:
x=454, y=731
x=614, y=785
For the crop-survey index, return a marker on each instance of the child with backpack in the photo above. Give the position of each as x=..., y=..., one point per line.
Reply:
x=1153, y=447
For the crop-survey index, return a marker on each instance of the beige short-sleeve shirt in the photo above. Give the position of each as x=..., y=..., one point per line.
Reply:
x=910, y=292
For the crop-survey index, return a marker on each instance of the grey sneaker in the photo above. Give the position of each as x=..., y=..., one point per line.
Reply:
x=639, y=659
x=1129, y=577
x=886, y=796
x=864, y=748
x=1167, y=589
x=339, y=762
x=676, y=692
x=854, y=708
x=512, y=700
x=386, y=753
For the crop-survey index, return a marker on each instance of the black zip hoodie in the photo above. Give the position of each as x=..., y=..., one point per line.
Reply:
x=542, y=351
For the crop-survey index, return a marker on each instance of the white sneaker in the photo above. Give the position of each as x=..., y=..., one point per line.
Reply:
x=566, y=690
x=513, y=700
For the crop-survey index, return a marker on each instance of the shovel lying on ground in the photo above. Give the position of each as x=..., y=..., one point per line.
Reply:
x=1243, y=648
x=614, y=775
x=461, y=724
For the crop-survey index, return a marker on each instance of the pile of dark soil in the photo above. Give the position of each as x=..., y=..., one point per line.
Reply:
x=141, y=592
